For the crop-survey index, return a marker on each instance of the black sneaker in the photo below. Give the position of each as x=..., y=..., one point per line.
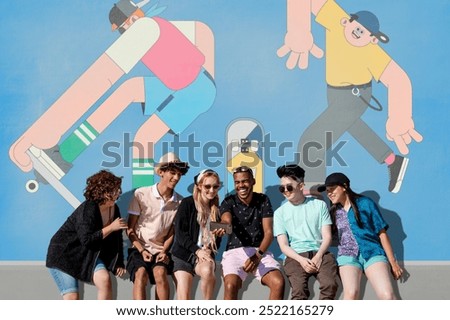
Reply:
x=396, y=173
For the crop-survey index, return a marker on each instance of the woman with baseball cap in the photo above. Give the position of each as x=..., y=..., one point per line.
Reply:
x=364, y=245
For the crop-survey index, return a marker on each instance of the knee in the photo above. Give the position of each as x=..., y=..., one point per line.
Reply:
x=160, y=275
x=102, y=279
x=231, y=286
x=207, y=273
x=141, y=276
x=351, y=294
x=277, y=283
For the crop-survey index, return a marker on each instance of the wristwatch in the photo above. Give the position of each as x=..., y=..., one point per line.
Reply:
x=259, y=252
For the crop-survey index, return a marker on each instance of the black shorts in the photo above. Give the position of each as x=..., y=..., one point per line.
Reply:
x=135, y=261
x=188, y=266
x=182, y=265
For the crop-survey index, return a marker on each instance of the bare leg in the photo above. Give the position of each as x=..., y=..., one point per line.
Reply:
x=140, y=283
x=232, y=284
x=184, y=285
x=379, y=277
x=162, y=290
x=208, y=279
x=102, y=282
x=351, y=281
x=275, y=281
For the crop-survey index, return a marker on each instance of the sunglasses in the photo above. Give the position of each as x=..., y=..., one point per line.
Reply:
x=243, y=169
x=289, y=188
x=209, y=186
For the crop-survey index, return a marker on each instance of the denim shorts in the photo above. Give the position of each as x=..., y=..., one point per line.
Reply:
x=68, y=284
x=359, y=261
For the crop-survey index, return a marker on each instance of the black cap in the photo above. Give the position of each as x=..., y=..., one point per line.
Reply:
x=335, y=179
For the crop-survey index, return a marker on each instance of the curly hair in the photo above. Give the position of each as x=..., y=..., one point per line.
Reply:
x=101, y=186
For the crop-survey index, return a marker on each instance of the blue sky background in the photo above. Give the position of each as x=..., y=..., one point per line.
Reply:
x=45, y=46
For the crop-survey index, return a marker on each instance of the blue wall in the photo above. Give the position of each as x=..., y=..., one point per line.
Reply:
x=45, y=47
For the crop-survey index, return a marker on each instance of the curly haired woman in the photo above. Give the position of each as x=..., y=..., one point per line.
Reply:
x=89, y=244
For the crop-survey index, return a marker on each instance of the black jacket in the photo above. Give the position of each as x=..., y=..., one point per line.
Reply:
x=187, y=230
x=78, y=243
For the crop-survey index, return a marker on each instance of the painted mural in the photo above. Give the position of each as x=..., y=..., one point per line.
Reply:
x=350, y=86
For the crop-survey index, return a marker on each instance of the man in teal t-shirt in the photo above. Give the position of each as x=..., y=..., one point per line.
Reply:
x=302, y=226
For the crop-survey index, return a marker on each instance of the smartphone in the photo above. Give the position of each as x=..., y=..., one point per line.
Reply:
x=217, y=225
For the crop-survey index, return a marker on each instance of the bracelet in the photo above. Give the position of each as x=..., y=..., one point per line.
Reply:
x=143, y=250
x=259, y=253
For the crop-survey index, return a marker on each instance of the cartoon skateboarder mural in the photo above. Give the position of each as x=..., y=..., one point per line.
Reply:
x=180, y=54
x=353, y=59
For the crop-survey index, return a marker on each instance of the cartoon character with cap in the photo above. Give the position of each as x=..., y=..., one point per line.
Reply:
x=353, y=59
x=180, y=56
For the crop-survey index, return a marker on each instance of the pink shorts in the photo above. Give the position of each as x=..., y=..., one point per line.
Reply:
x=233, y=262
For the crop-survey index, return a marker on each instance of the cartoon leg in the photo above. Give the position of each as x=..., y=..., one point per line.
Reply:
x=381, y=152
x=62, y=156
x=143, y=150
x=61, y=115
x=130, y=91
x=117, y=60
x=343, y=111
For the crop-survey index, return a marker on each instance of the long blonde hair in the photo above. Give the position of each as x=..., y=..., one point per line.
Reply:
x=208, y=211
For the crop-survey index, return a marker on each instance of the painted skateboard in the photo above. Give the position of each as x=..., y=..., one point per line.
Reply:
x=43, y=165
x=243, y=140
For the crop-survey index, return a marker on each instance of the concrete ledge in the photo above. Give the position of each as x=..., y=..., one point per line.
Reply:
x=32, y=281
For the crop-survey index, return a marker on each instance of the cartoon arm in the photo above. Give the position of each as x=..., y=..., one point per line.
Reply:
x=299, y=41
x=117, y=60
x=400, y=124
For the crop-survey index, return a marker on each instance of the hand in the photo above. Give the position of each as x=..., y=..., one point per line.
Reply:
x=298, y=46
x=252, y=263
x=120, y=272
x=146, y=255
x=118, y=224
x=308, y=265
x=396, y=270
x=162, y=257
x=402, y=131
x=218, y=232
x=317, y=261
x=204, y=255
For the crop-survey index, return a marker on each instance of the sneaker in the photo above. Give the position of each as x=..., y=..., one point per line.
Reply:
x=53, y=161
x=396, y=173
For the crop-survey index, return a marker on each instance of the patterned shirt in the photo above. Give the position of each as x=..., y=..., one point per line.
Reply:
x=367, y=237
x=347, y=243
x=246, y=219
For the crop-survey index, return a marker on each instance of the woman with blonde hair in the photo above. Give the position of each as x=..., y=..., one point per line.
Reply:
x=195, y=245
